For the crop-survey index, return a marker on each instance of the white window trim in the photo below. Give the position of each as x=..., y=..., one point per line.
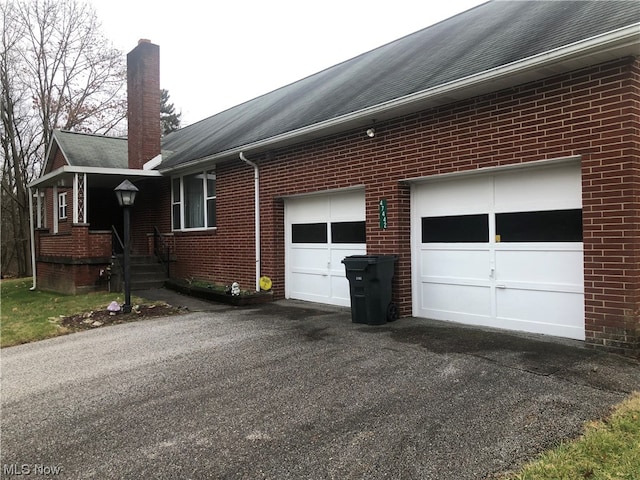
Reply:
x=62, y=206
x=181, y=201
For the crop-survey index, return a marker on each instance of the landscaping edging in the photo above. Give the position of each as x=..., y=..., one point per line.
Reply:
x=217, y=296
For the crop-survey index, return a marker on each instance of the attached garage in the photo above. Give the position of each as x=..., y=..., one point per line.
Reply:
x=501, y=250
x=320, y=230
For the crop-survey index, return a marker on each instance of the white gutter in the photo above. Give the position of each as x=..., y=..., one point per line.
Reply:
x=256, y=178
x=626, y=38
x=33, y=240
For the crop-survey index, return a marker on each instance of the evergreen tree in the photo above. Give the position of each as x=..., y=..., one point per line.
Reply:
x=169, y=119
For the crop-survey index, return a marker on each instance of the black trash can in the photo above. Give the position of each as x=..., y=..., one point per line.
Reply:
x=370, y=285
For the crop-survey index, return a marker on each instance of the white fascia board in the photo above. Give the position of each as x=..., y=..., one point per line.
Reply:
x=153, y=163
x=69, y=169
x=626, y=39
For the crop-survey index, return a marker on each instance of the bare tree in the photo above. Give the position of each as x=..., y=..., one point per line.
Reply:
x=56, y=71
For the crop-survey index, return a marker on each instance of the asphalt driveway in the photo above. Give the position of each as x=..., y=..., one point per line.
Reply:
x=294, y=390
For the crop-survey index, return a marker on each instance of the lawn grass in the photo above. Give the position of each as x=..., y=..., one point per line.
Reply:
x=27, y=316
x=609, y=449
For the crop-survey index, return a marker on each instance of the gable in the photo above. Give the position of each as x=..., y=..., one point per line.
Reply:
x=85, y=150
x=88, y=150
x=58, y=161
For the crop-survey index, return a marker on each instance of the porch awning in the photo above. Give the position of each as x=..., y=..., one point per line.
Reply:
x=99, y=176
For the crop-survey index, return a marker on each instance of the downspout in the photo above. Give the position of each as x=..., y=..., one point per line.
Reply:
x=33, y=240
x=256, y=177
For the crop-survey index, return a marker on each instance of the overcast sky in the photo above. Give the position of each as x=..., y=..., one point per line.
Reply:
x=217, y=54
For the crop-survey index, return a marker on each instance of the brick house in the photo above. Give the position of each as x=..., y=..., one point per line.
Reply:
x=496, y=153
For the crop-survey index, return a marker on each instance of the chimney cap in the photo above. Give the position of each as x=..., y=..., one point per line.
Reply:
x=144, y=40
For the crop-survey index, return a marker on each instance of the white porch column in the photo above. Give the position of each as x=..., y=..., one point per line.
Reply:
x=79, y=198
x=39, y=216
x=55, y=209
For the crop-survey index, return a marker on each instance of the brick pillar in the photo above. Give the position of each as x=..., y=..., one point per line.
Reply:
x=612, y=275
x=80, y=241
x=395, y=239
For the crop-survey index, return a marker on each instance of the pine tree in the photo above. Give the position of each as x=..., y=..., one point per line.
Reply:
x=169, y=119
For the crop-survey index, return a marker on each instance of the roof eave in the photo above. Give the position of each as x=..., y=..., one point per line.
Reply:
x=58, y=176
x=615, y=44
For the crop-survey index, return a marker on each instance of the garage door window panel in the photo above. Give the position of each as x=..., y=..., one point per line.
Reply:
x=348, y=232
x=309, y=233
x=540, y=226
x=456, y=229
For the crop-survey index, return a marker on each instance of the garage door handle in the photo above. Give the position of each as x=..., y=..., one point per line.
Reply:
x=501, y=286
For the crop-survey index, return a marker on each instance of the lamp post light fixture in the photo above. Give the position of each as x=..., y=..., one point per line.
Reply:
x=126, y=195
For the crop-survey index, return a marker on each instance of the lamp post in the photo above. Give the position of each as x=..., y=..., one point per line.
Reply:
x=126, y=195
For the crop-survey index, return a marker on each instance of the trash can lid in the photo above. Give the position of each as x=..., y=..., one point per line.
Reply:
x=370, y=259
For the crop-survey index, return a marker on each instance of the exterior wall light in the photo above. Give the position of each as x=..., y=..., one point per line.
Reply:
x=371, y=132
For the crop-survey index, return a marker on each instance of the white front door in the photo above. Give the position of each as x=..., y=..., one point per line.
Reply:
x=320, y=230
x=502, y=250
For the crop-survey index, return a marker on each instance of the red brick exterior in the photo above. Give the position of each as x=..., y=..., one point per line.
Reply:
x=593, y=112
x=73, y=262
x=151, y=209
x=143, y=100
x=58, y=161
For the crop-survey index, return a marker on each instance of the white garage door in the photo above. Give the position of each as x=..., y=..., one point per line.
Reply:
x=501, y=250
x=320, y=231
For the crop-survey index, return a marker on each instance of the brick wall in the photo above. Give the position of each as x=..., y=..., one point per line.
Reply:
x=592, y=112
x=611, y=211
x=226, y=254
x=58, y=161
x=151, y=209
x=69, y=278
x=72, y=262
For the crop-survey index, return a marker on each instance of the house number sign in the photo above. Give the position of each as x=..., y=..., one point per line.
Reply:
x=382, y=210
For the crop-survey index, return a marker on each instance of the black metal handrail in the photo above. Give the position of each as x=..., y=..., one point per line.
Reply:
x=161, y=249
x=116, y=242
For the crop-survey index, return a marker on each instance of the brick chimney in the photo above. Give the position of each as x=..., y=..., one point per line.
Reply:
x=143, y=97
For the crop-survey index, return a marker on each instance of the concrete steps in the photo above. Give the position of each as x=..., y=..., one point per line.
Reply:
x=146, y=272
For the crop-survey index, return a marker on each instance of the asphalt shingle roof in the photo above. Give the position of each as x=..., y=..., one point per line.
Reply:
x=87, y=150
x=488, y=36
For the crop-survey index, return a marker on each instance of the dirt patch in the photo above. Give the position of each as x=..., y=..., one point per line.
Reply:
x=102, y=318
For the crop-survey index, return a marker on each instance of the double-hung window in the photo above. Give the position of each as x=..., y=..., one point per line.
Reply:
x=62, y=205
x=194, y=201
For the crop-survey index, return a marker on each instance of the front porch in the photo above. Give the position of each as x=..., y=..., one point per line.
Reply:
x=78, y=227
